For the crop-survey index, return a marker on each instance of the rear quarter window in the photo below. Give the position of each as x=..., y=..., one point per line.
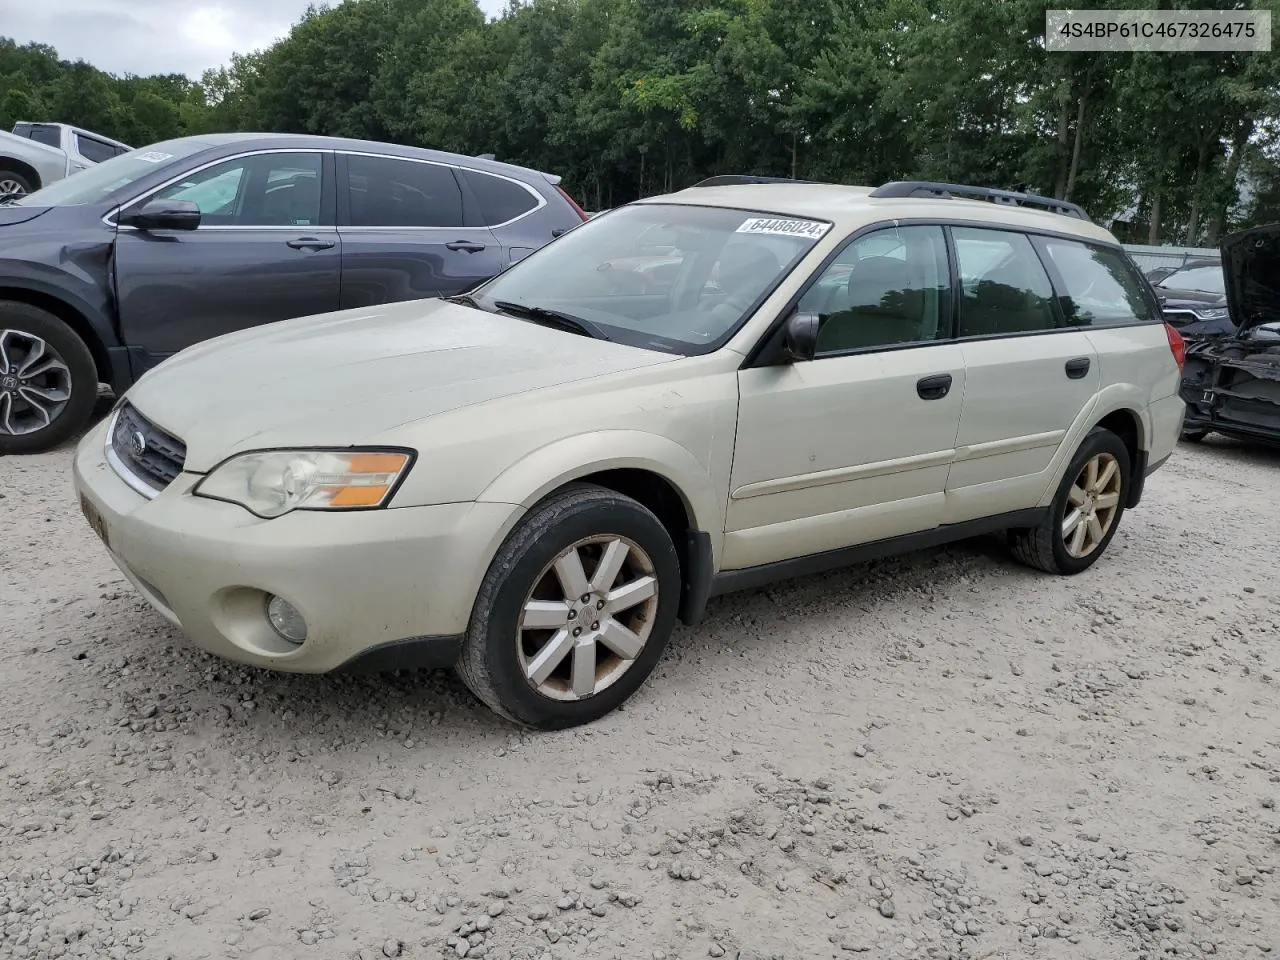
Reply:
x=499, y=200
x=1099, y=285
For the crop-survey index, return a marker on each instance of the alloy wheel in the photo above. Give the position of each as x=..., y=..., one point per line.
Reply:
x=35, y=383
x=1093, y=502
x=10, y=187
x=580, y=631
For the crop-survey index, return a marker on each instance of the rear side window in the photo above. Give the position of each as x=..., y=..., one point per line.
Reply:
x=1004, y=287
x=390, y=192
x=499, y=200
x=94, y=150
x=1100, y=287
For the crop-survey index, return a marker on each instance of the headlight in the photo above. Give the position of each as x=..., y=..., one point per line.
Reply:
x=272, y=483
x=1212, y=313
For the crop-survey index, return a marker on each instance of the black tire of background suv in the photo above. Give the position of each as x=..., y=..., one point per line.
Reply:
x=489, y=664
x=15, y=315
x=7, y=173
x=1042, y=547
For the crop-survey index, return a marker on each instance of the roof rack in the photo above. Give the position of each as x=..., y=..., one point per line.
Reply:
x=735, y=179
x=928, y=188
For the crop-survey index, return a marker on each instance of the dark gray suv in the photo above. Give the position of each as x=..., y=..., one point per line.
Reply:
x=105, y=274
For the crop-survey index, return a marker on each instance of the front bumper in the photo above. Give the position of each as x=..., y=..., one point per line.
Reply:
x=378, y=588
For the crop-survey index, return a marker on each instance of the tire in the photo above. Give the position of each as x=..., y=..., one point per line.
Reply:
x=1047, y=547
x=1194, y=436
x=13, y=182
x=505, y=664
x=35, y=339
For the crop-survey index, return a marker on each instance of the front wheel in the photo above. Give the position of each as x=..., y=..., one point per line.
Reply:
x=574, y=611
x=1085, y=512
x=48, y=380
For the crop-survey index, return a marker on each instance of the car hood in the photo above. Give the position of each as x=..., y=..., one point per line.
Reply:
x=11, y=215
x=1251, y=259
x=338, y=379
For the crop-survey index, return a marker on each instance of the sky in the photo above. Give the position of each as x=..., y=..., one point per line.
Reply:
x=155, y=36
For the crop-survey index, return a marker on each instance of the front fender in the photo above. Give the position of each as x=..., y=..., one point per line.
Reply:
x=548, y=468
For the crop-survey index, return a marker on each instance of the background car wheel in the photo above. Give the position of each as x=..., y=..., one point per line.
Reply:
x=574, y=611
x=1086, y=511
x=1194, y=436
x=48, y=381
x=14, y=183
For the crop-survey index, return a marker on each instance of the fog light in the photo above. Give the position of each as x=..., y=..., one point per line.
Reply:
x=286, y=620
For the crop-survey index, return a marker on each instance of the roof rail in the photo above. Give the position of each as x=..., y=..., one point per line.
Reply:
x=918, y=188
x=734, y=179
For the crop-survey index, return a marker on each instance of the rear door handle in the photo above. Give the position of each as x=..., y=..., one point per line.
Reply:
x=470, y=246
x=310, y=243
x=1077, y=368
x=935, y=387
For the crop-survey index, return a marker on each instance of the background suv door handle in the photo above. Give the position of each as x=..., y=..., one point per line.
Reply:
x=468, y=245
x=309, y=243
x=935, y=387
x=1077, y=368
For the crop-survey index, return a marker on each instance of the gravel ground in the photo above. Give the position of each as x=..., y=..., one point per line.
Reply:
x=942, y=755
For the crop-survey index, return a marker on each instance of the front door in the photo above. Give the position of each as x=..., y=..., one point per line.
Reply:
x=405, y=232
x=266, y=250
x=853, y=446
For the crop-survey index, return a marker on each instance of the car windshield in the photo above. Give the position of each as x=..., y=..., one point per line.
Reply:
x=664, y=276
x=97, y=183
x=1207, y=279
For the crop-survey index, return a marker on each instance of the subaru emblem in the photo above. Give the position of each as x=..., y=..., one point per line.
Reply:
x=138, y=444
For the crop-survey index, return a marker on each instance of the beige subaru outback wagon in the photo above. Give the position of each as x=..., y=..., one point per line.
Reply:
x=739, y=382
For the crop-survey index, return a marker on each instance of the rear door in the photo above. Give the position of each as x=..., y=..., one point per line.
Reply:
x=1028, y=374
x=266, y=250
x=516, y=214
x=407, y=232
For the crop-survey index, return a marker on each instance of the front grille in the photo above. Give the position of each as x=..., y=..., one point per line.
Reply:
x=152, y=455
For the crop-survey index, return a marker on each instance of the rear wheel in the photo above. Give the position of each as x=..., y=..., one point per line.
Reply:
x=1085, y=512
x=574, y=611
x=48, y=380
x=13, y=183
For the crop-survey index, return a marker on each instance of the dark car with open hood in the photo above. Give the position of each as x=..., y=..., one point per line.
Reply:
x=1231, y=384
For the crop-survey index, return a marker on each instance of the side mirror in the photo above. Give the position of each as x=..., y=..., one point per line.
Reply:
x=800, y=337
x=163, y=215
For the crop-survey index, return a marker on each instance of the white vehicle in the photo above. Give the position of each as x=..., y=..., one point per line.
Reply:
x=533, y=482
x=38, y=154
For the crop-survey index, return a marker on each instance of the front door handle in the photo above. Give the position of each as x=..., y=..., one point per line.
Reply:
x=470, y=246
x=1077, y=368
x=935, y=387
x=309, y=243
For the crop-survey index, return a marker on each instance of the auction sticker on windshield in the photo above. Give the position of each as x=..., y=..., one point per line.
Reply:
x=154, y=156
x=813, y=229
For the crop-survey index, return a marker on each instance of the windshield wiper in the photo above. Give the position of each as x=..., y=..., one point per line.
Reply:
x=553, y=318
x=466, y=299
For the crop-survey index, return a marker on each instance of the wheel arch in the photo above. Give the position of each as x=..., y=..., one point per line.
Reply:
x=77, y=319
x=22, y=169
x=657, y=472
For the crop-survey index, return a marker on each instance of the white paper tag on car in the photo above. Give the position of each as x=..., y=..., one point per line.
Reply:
x=812, y=229
x=153, y=156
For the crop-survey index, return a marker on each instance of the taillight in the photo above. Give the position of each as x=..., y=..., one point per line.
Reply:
x=1177, y=346
x=573, y=203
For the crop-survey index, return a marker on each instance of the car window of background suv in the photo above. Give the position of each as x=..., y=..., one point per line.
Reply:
x=269, y=189
x=392, y=192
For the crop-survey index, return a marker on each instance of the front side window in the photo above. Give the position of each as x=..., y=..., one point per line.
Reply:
x=1100, y=287
x=1201, y=279
x=669, y=277
x=264, y=190
x=390, y=192
x=886, y=288
x=1003, y=285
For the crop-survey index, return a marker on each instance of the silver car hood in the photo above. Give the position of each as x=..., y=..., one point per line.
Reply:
x=338, y=379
